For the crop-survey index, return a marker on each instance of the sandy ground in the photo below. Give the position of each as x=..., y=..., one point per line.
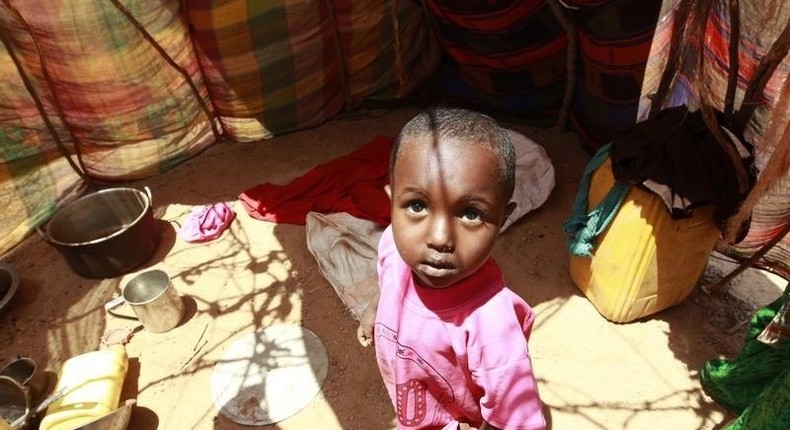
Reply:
x=593, y=374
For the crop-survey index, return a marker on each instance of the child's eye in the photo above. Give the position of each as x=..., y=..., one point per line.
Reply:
x=471, y=215
x=415, y=207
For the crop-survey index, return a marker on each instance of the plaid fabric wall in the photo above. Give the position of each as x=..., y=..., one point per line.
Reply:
x=123, y=110
x=34, y=177
x=129, y=113
x=387, y=47
x=119, y=109
x=279, y=66
x=271, y=66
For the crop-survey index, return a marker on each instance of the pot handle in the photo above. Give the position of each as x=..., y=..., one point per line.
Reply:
x=150, y=197
x=114, y=303
x=44, y=235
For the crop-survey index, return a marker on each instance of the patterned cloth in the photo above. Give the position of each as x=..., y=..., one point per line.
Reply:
x=119, y=109
x=279, y=66
x=504, y=56
x=271, y=66
x=614, y=44
x=761, y=23
x=123, y=110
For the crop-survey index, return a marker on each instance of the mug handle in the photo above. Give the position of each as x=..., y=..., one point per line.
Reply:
x=114, y=303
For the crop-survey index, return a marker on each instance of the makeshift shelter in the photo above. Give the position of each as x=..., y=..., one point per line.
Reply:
x=99, y=91
x=96, y=92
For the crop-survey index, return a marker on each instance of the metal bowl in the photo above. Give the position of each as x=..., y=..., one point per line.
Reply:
x=9, y=281
x=14, y=402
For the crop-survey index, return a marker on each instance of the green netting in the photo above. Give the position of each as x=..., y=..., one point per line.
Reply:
x=770, y=410
x=756, y=382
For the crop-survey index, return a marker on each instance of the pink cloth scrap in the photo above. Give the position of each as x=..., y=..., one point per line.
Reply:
x=353, y=183
x=207, y=222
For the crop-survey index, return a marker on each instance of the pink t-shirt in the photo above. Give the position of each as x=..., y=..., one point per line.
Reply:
x=457, y=354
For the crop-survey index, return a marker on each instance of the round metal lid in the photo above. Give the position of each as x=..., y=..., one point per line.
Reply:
x=269, y=375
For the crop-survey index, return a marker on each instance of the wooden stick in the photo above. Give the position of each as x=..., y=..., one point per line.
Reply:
x=570, y=62
x=776, y=134
x=735, y=38
x=193, y=41
x=673, y=57
x=709, y=116
x=341, y=58
x=764, y=71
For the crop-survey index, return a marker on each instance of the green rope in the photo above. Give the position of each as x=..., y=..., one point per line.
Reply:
x=583, y=227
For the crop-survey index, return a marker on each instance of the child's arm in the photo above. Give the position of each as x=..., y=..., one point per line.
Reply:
x=365, y=329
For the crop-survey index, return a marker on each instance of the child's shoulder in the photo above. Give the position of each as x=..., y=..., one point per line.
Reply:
x=506, y=305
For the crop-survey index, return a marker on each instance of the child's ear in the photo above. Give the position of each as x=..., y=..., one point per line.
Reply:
x=508, y=210
x=388, y=190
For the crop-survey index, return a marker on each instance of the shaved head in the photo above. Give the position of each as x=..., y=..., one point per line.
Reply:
x=462, y=128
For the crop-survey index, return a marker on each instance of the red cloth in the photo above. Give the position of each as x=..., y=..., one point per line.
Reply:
x=353, y=183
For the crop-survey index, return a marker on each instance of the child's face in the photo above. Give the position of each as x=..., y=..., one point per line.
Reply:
x=448, y=205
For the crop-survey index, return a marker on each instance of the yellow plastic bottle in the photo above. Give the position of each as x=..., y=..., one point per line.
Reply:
x=93, y=383
x=645, y=261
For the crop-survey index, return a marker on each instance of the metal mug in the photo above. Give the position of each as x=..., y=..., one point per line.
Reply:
x=25, y=371
x=154, y=300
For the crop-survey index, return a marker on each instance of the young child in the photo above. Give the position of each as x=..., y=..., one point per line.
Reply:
x=450, y=337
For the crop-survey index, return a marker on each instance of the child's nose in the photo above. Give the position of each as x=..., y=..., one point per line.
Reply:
x=440, y=236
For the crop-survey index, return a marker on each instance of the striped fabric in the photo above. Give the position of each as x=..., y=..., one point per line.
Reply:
x=769, y=217
x=505, y=56
x=279, y=66
x=129, y=113
x=761, y=23
x=271, y=66
x=614, y=44
x=387, y=47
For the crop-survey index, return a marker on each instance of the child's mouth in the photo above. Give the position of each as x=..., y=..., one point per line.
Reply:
x=437, y=269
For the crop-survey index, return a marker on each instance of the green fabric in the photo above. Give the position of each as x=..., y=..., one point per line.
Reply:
x=583, y=227
x=771, y=409
x=756, y=383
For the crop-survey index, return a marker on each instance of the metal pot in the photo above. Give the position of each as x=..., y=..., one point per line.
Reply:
x=105, y=234
x=14, y=403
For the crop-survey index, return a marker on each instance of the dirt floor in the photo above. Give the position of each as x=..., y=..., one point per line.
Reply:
x=593, y=374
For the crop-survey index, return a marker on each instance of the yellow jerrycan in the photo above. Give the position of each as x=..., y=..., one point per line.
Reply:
x=92, y=384
x=644, y=261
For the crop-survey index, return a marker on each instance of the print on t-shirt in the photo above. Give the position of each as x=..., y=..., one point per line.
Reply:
x=415, y=394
